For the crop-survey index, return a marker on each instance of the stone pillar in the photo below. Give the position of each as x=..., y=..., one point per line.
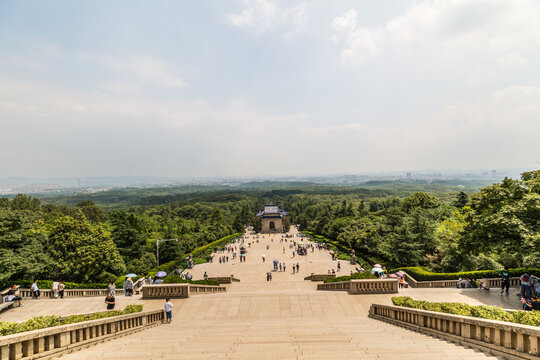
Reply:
x=28, y=348
x=535, y=344
x=39, y=345
x=15, y=351
x=522, y=342
x=466, y=330
x=4, y=352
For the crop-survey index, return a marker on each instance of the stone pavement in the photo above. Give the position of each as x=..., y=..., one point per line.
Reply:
x=283, y=319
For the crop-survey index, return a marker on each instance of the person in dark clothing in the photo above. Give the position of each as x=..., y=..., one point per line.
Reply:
x=109, y=300
x=505, y=280
x=13, y=295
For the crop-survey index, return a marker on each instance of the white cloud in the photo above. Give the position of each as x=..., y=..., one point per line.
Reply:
x=449, y=30
x=265, y=15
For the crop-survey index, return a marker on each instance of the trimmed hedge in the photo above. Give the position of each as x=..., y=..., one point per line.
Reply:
x=364, y=275
x=175, y=279
x=479, y=311
x=41, y=322
x=47, y=284
x=423, y=274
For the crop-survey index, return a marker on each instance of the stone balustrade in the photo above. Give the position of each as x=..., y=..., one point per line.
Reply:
x=224, y=279
x=55, y=340
x=498, y=337
x=48, y=293
x=163, y=291
x=335, y=286
x=320, y=277
x=198, y=289
x=496, y=283
x=486, y=283
x=364, y=286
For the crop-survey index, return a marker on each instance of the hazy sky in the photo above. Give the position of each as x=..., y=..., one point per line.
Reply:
x=262, y=87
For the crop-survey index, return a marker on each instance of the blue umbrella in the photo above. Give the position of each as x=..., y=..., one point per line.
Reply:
x=131, y=275
x=161, y=274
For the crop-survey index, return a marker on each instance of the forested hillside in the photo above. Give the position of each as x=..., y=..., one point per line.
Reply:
x=436, y=226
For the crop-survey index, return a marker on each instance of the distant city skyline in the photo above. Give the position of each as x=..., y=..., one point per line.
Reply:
x=262, y=88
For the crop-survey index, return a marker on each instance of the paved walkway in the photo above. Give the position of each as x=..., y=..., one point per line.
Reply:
x=283, y=319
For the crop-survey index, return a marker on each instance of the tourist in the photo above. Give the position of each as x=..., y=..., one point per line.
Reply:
x=168, y=310
x=293, y=269
x=401, y=282
x=280, y=267
x=263, y=258
x=525, y=286
x=35, y=290
x=297, y=267
x=333, y=272
x=268, y=276
x=205, y=276
x=112, y=288
x=338, y=266
x=284, y=267
x=505, y=280
x=124, y=286
x=61, y=288
x=536, y=287
x=55, y=289
x=13, y=295
x=129, y=287
x=109, y=300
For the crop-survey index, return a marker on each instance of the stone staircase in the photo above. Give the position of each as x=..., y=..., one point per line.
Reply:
x=283, y=319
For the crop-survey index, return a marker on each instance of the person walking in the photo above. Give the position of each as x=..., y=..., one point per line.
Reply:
x=61, y=288
x=168, y=310
x=338, y=266
x=263, y=258
x=129, y=287
x=268, y=276
x=110, y=301
x=35, y=290
x=525, y=286
x=124, y=284
x=505, y=280
x=112, y=288
x=280, y=267
x=55, y=289
x=205, y=276
x=401, y=282
x=297, y=267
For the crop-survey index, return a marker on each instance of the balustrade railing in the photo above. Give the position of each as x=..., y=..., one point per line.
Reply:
x=498, y=337
x=55, y=340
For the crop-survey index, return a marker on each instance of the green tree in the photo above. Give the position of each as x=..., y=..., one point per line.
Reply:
x=82, y=252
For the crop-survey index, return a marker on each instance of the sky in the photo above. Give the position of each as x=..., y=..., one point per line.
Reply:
x=266, y=87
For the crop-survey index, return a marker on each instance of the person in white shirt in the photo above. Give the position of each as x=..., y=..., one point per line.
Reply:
x=168, y=310
x=55, y=286
x=35, y=289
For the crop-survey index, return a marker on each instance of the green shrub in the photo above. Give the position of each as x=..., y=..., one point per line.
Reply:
x=423, y=274
x=355, y=276
x=479, y=311
x=41, y=322
x=344, y=257
x=176, y=279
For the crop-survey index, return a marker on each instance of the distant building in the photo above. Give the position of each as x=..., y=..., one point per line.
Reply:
x=272, y=219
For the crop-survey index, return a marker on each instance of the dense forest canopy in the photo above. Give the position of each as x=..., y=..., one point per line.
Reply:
x=97, y=237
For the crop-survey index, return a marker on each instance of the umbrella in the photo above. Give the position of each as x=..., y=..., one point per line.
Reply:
x=376, y=270
x=161, y=274
x=275, y=261
x=377, y=265
x=392, y=275
x=400, y=273
x=131, y=275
